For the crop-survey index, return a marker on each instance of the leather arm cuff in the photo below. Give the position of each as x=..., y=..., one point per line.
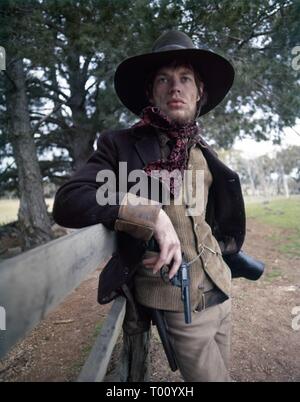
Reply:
x=137, y=216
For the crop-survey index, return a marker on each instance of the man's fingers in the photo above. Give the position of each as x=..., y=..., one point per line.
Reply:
x=157, y=262
x=173, y=256
x=163, y=256
x=176, y=264
x=169, y=246
x=150, y=260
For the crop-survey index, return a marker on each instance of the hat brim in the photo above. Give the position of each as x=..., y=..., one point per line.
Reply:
x=131, y=75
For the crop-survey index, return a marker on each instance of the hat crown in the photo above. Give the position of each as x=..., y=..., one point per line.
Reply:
x=172, y=40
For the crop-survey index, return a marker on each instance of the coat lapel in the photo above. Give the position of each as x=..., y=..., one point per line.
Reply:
x=147, y=147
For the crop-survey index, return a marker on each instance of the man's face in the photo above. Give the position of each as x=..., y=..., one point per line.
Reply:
x=176, y=94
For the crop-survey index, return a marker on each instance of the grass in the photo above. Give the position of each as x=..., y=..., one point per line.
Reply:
x=9, y=209
x=280, y=213
x=274, y=273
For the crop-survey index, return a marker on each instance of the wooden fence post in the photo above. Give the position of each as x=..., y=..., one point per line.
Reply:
x=135, y=359
x=95, y=367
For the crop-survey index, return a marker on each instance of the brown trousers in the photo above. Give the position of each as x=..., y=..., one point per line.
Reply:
x=202, y=348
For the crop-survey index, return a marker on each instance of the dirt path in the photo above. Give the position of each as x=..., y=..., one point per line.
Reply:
x=264, y=345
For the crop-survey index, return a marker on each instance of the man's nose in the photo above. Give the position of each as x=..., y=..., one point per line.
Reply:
x=175, y=86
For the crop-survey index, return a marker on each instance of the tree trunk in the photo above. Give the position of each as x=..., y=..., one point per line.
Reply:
x=33, y=218
x=81, y=135
x=80, y=144
x=251, y=179
x=284, y=182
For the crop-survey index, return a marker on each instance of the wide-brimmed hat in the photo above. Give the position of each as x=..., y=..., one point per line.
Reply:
x=132, y=74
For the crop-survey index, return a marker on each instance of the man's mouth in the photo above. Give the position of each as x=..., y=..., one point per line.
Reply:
x=175, y=103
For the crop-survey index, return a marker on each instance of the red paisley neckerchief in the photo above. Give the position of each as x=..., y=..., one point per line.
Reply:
x=183, y=137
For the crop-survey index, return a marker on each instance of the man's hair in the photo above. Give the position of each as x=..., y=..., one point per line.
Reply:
x=175, y=64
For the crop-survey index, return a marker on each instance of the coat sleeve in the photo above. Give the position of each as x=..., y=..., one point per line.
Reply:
x=81, y=201
x=75, y=203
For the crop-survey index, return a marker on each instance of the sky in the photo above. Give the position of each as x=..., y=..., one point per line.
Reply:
x=252, y=149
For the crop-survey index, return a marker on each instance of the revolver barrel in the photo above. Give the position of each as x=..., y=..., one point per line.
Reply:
x=182, y=280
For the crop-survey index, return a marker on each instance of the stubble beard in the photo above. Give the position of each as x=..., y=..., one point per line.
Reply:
x=182, y=120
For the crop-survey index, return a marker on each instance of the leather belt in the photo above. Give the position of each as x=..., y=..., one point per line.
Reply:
x=211, y=298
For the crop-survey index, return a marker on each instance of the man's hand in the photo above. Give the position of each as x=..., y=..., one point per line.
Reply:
x=169, y=244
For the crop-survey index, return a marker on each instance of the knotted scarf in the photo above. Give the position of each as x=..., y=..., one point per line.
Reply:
x=182, y=135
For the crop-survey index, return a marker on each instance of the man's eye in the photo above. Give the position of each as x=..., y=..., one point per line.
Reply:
x=185, y=78
x=162, y=79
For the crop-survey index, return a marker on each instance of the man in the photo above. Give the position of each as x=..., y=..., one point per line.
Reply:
x=169, y=88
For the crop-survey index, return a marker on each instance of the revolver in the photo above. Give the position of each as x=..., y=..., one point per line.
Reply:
x=182, y=280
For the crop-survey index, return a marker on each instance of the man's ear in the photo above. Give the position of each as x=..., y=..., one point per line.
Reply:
x=200, y=91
